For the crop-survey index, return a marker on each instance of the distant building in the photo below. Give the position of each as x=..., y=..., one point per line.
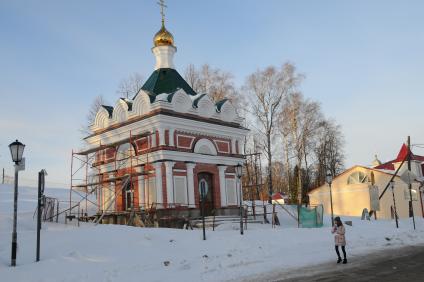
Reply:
x=155, y=150
x=352, y=189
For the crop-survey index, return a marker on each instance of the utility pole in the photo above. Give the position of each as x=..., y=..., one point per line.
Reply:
x=411, y=208
x=2, y=179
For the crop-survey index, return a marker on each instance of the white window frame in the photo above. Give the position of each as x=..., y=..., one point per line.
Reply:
x=150, y=188
x=184, y=189
x=230, y=189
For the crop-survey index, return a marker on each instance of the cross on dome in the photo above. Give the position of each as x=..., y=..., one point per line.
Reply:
x=163, y=37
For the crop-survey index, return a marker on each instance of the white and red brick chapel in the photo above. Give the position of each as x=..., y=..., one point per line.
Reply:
x=169, y=139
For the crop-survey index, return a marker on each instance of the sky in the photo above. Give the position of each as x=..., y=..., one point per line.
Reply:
x=363, y=61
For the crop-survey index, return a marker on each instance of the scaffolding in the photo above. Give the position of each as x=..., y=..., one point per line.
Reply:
x=90, y=188
x=253, y=182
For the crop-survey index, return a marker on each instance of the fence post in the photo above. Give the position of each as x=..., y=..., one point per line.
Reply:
x=57, y=212
x=78, y=214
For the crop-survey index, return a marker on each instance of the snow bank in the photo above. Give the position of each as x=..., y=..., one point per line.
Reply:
x=122, y=253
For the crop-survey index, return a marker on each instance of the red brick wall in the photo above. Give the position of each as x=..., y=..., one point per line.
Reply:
x=142, y=144
x=164, y=195
x=184, y=142
x=167, y=137
x=223, y=147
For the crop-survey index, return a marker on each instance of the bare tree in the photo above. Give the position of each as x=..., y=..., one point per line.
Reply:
x=91, y=115
x=299, y=122
x=329, y=151
x=130, y=86
x=218, y=84
x=267, y=88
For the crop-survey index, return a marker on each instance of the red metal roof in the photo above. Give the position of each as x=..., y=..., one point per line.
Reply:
x=277, y=196
x=403, y=153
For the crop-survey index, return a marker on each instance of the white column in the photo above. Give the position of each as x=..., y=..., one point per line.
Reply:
x=162, y=136
x=171, y=136
x=240, y=146
x=169, y=181
x=190, y=184
x=158, y=184
x=222, y=186
x=233, y=145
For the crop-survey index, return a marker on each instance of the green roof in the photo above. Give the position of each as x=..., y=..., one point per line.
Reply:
x=219, y=104
x=166, y=80
x=109, y=110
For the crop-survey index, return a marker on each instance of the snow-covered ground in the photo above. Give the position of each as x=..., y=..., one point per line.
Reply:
x=122, y=253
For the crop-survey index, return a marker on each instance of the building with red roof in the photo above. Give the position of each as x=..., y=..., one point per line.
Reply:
x=360, y=187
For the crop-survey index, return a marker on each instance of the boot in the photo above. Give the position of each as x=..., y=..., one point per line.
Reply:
x=344, y=261
x=339, y=260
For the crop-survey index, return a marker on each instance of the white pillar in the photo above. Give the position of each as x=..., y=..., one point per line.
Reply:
x=190, y=184
x=169, y=182
x=158, y=184
x=222, y=186
x=233, y=145
x=171, y=136
x=240, y=146
x=162, y=137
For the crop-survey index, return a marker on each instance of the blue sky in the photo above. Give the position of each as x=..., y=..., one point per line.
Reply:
x=363, y=61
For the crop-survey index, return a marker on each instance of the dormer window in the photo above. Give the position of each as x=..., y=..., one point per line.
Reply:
x=357, y=177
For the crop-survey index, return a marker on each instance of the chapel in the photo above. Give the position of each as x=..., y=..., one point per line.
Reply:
x=155, y=150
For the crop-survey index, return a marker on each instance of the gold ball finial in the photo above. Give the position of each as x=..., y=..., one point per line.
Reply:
x=163, y=37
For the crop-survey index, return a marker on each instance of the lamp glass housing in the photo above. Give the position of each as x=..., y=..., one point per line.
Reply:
x=239, y=169
x=16, y=151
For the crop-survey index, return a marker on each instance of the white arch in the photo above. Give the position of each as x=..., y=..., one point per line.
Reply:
x=101, y=120
x=205, y=106
x=206, y=147
x=122, y=155
x=228, y=112
x=181, y=102
x=120, y=111
x=141, y=103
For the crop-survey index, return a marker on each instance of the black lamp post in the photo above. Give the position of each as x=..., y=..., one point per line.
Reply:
x=239, y=171
x=329, y=180
x=16, y=150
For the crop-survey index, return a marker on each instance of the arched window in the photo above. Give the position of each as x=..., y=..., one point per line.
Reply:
x=205, y=147
x=357, y=177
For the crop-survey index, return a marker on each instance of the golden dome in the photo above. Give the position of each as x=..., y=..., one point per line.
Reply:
x=163, y=37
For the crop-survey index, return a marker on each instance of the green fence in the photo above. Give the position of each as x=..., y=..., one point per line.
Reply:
x=311, y=216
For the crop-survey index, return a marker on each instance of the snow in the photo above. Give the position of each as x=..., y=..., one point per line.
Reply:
x=123, y=253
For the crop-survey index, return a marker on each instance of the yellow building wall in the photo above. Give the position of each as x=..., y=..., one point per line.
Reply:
x=351, y=199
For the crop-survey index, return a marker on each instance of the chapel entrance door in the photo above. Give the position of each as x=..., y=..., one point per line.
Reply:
x=205, y=181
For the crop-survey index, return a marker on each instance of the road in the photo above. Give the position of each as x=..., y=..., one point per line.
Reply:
x=404, y=264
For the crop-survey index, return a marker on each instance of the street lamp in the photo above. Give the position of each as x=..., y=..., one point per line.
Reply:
x=329, y=180
x=239, y=171
x=16, y=150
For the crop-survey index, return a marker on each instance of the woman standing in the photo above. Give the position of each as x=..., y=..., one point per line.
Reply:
x=339, y=239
